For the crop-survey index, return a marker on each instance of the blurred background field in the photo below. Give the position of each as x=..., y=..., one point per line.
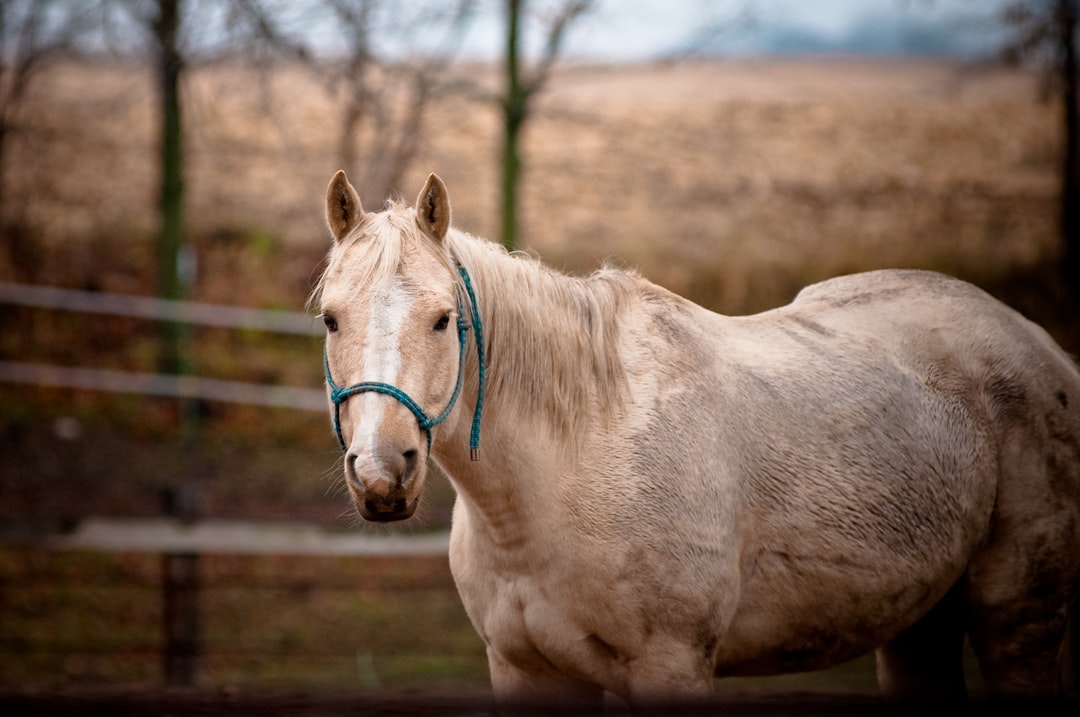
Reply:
x=734, y=182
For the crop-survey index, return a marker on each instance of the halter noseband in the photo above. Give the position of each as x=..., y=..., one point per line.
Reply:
x=339, y=395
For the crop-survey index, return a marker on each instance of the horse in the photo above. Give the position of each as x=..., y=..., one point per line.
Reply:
x=650, y=495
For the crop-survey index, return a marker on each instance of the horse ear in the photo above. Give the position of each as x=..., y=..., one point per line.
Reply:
x=343, y=209
x=433, y=208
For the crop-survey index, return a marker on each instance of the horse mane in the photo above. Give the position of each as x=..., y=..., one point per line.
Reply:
x=551, y=338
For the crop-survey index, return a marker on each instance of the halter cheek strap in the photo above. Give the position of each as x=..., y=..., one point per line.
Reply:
x=339, y=395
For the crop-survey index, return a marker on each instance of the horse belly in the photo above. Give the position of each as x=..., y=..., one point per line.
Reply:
x=800, y=613
x=858, y=523
x=819, y=593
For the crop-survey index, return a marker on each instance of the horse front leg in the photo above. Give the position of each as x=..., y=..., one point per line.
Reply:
x=519, y=691
x=670, y=673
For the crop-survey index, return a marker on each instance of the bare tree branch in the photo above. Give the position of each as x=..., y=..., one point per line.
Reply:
x=31, y=34
x=385, y=100
x=1045, y=31
x=554, y=37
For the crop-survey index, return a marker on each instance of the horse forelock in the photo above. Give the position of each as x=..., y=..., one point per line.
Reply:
x=374, y=253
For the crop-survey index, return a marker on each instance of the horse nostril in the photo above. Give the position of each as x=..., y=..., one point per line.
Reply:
x=411, y=457
x=350, y=470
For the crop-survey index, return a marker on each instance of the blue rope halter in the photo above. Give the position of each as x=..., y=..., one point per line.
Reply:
x=339, y=395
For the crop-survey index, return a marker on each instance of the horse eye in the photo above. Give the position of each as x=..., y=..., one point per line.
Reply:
x=442, y=323
x=331, y=323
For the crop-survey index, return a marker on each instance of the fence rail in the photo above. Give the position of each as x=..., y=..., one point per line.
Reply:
x=184, y=542
x=154, y=384
x=148, y=307
x=225, y=537
x=93, y=617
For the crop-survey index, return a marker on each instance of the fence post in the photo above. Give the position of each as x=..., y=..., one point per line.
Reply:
x=180, y=584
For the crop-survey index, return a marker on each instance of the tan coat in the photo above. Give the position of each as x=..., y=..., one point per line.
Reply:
x=665, y=494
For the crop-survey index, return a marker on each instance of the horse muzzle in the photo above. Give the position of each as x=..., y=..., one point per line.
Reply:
x=384, y=490
x=381, y=510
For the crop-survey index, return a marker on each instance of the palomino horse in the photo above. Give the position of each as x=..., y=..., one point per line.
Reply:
x=663, y=494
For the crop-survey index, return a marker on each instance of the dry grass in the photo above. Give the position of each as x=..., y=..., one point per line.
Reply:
x=265, y=622
x=732, y=182
x=271, y=623
x=741, y=183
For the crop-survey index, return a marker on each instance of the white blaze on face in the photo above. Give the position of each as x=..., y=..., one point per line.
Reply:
x=390, y=309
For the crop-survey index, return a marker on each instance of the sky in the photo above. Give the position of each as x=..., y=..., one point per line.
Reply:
x=620, y=30
x=645, y=30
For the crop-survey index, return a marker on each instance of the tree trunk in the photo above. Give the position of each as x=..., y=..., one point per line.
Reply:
x=1070, y=181
x=350, y=123
x=511, y=176
x=357, y=103
x=405, y=144
x=4, y=214
x=514, y=113
x=173, y=275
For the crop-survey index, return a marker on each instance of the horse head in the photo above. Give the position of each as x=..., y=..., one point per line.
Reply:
x=396, y=316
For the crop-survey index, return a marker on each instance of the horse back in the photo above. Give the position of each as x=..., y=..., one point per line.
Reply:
x=957, y=335
x=965, y=346
x=937, y=429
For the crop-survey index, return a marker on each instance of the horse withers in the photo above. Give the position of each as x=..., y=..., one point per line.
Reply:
x=649, y=494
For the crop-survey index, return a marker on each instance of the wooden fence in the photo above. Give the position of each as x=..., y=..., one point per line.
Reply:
x=89, y=302
x=183, y=540
x=262, y=621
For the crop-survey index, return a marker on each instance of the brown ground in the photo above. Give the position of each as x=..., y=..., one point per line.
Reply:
x=188, y=702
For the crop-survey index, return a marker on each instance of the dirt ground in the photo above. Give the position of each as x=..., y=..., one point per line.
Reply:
x=182, y=703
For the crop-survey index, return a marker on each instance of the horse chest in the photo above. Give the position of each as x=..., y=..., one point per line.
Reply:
x=546, y=615
x=534, y=629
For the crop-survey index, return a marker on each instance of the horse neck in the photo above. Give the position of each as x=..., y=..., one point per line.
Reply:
x=553, y=369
